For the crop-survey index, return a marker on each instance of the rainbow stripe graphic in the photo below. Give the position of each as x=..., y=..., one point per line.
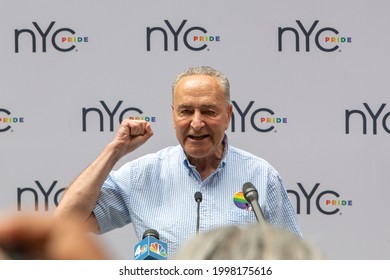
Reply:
x=144, y=248
x=158, y=249
x=240, y=201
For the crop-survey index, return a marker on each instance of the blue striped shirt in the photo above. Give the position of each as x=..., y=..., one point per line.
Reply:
x=157, y=191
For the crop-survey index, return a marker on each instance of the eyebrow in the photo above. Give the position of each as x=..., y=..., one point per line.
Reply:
x=203, y=106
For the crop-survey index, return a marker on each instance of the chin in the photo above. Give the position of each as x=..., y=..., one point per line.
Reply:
x=196, y=153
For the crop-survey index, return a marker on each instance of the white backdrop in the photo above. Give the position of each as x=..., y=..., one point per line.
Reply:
x=320, y=69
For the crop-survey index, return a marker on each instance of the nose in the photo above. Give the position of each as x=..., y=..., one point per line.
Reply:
x=197, y=121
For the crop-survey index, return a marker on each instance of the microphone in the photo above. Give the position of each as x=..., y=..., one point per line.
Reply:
x=252, y=196
x=150, y=247
x=198, y=199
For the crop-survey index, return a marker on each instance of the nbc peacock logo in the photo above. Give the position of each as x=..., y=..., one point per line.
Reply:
x=158, y=249
x=143, y=249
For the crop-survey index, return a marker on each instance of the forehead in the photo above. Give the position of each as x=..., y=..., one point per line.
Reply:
x=198, y=86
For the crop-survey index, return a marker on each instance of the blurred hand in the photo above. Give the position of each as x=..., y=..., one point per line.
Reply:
x=34, y=236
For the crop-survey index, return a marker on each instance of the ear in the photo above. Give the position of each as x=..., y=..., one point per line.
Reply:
x=229, y=115
x=173, y=116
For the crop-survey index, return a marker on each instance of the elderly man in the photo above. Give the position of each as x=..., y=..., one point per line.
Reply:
x=157, y=190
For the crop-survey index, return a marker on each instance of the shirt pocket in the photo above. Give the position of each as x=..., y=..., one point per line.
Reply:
x=238, y=216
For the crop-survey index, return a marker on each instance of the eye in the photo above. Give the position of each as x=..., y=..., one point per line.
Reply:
x=209, y=112
x=185, y=112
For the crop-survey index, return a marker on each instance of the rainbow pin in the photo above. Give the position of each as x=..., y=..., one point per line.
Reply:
x=240, y=201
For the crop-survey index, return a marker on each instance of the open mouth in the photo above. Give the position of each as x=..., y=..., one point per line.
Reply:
x=197, y=137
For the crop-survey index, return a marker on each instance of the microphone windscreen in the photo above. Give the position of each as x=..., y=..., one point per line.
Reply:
x=250, y=192
x=198, y=197
x=151, y=232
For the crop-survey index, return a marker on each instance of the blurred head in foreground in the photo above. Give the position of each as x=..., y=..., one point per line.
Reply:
x=34, y=236
x=253, y=242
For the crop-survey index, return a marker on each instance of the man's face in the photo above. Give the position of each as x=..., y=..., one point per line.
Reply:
x=200, y=116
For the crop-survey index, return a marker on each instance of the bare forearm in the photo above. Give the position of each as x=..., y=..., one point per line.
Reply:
x=80, y=198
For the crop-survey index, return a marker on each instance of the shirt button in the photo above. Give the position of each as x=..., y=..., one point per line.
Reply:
x=203, y=189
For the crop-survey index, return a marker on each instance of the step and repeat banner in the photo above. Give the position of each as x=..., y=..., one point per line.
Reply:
x=309, y=85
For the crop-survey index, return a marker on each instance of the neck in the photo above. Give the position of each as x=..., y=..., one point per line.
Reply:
x=207, y=165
